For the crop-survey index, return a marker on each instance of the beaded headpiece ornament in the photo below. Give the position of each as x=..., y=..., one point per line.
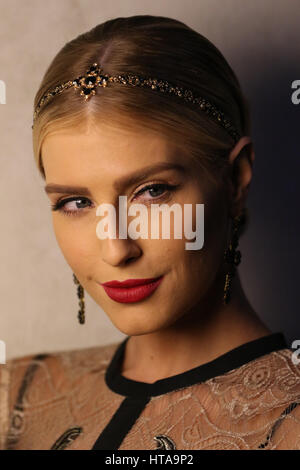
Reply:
x=94, y=77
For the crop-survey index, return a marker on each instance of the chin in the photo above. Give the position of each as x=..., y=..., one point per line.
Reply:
x=140, y=326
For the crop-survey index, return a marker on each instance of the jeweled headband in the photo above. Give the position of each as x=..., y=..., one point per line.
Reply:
x=95, y=77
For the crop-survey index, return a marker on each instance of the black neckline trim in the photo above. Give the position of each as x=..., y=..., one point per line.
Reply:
x=226, y=362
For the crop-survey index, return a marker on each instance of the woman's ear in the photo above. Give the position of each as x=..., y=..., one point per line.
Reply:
x=246, y=143
x=241, y=159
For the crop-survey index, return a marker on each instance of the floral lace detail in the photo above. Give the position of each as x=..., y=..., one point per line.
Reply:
x=249, y=390
x=61, y=401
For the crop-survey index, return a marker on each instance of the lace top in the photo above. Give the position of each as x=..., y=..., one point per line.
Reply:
x=246, y=398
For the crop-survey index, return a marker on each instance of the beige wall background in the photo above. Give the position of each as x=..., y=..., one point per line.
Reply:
x=38, y=298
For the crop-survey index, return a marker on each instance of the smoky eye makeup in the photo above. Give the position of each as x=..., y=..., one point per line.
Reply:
x=162, y=189
x=61, y=204
x=156, y=191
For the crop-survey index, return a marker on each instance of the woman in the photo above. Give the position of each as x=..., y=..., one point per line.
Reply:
x=146, y=108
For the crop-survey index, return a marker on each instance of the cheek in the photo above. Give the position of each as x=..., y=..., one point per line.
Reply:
x=202, y=266
x=72, y=240
x=174, y=253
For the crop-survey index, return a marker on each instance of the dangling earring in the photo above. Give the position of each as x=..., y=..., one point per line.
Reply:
x=233, y=256
x=80, y=295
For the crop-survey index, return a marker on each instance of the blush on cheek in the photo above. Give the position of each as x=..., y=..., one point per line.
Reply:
x=71, y=245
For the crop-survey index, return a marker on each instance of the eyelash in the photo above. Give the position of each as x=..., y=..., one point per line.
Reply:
x=58, y=206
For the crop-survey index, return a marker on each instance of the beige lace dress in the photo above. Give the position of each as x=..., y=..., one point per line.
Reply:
x=246, y=398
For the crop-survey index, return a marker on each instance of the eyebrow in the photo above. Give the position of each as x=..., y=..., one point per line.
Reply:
x=120, y=183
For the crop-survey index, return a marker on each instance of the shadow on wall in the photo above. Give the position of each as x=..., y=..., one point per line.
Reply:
x=270, y=273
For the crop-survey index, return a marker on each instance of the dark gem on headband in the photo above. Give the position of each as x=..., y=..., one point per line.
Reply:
x=89, y=81
x=95, y=77
x=93, y=68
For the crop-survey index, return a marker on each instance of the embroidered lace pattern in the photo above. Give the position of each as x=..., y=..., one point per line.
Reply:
x=60, y=400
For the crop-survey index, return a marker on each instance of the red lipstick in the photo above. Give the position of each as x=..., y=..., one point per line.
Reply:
x=131, y=290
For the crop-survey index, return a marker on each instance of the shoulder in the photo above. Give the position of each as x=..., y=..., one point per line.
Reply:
x=285, y=430
x=63, y=366
x=265, y=393
x=38, y=381
x=279, y=369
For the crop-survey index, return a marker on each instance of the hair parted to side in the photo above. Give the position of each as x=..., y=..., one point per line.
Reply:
x=149, y=46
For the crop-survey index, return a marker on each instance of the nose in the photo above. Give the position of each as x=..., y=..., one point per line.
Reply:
x=117, y=252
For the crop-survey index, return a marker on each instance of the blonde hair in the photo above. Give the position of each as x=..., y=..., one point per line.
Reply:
x=149, y=46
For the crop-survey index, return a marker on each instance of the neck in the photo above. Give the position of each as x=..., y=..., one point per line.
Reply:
x=207, y=331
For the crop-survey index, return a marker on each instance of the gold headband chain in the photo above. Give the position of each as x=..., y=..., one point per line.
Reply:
x=95, y=77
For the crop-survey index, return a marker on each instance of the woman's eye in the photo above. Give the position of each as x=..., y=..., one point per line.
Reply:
x=155, y=190
x=71, y=206
x=77, y=205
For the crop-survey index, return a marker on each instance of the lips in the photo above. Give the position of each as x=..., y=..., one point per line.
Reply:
x=132, y=290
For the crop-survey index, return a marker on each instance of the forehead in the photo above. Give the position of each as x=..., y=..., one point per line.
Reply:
x=104, y=149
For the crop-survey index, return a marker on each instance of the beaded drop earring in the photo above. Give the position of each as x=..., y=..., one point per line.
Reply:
x=80, y=295
x=233, y=256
